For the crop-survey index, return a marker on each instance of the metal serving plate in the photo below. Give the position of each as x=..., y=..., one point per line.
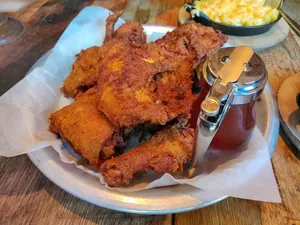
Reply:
x=166, y=200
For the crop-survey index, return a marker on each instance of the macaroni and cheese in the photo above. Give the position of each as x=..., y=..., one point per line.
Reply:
x=238, y=12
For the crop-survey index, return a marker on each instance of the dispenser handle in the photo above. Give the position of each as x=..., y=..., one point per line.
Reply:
x=208, y=125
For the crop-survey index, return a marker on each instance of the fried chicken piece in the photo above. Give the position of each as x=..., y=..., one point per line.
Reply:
x=84, y=72
x=85, y=69
x=157, y=98
x=86, y=129
x=166, y=152
x=171, y=90
x=127, y=76
x=201, y=41
x=110, y=25
x=131, y=31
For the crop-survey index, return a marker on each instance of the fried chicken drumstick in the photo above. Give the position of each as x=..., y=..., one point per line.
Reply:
x=85, y=69
x=89, y=133
x=166, y=152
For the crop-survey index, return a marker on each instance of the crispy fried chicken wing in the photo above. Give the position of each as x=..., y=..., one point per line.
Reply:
x=85, y=69
x=166, y=152
x=110, y=25
x=87, y=130
x=129, y=93
x=130, y=31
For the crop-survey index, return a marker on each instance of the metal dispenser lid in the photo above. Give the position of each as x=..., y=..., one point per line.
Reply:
x=251, y=82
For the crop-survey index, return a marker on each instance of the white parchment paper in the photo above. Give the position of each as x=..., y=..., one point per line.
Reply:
x=25, y=108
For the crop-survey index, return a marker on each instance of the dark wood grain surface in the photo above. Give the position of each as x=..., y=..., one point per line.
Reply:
x=28, y=197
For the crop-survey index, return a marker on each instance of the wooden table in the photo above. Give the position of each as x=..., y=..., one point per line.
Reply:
x=28, y=197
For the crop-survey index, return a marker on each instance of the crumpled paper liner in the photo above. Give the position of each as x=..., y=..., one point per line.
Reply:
x=25, y=108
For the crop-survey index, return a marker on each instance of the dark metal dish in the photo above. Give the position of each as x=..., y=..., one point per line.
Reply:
x=231, y=29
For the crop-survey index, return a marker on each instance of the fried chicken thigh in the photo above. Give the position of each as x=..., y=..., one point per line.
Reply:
x=85, y=69
x=87, y=130
x=127, y=76
x=166, y=152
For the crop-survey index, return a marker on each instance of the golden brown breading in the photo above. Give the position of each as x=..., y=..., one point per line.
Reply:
x=166, y=152
x=84, y=72
x=201, y=41
x=85, y=128
x=171, y=90
x=131, y=31
x=126, y=97
x=134, y=94
x=85, y=69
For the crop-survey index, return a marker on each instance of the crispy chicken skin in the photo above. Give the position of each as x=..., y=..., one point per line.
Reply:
x=131, y=31
x=157, y=98
x=85, y=128
x=127, y=76
x=166, y=152
x=85, y=69
x=84, y=72
x=201, y=41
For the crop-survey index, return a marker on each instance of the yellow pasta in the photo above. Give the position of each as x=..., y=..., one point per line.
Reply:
x=238, y=12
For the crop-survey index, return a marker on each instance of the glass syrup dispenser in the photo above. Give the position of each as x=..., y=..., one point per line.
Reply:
x=231, y=81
